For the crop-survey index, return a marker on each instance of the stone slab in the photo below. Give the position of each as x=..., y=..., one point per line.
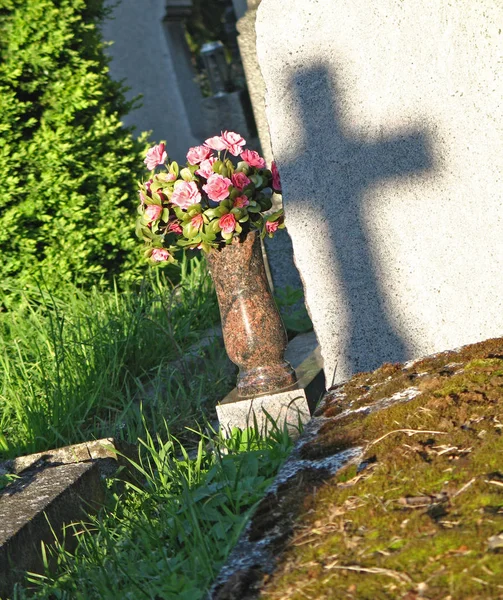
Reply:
x=226, y=112
x=239, y=7
x=279, y=248
x=265, y=413
x=297, y=516
x=386, y=122
x=248, y=48
x=54, y=488
x=293, y=407
x=145, y=57
x=105, y=448
x=300, y=348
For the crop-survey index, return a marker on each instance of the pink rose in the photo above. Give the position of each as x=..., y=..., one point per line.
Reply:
x=229, y=140
x=206, y=167
x=159, y=254
x=185, y=194
x=142, y=198
x=241, y=202
x=233, y=142
x=197, y=154
x=215, y=143
x=271, y=226
x=276, y=181
x=253, y=159
x=153, y=212
x=239, y=180
x=217, y=187
x=148, y=184
x=155, y=156
x=197, y=221
x=175, y=227
x=227, y=223
x=170, y=177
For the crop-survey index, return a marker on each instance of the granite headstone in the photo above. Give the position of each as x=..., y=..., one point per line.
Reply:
x=386, y=121
x=279, y=248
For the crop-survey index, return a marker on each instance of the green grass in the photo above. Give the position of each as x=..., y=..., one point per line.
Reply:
x=169, y=537
x=78, y=365
x=82, y=365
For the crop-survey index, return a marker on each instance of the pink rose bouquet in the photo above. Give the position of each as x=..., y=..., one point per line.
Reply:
x=224, y=192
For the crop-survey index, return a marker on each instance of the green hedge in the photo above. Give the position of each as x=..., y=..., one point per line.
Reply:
x=67, y=166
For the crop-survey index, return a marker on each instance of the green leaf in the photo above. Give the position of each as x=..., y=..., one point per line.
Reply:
x=184, y=243
x=213, y=226
x=213, y=213
x=195, y=209
x=156, y=199
x=179, y=212
x=207, y=236
x=186, y=174
x=230, y=167
x=243, y=167
x=4, y=445
x=138, y=229
x=276, y=215
x=174, y=168
x=155, y=186
x=146, y=232
x=256, y=179
x=265, y=203
x=189, y=231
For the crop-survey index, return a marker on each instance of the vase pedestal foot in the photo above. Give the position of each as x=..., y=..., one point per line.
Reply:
x=269, y=379
x=289, y=407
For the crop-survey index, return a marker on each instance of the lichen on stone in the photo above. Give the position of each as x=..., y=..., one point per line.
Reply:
x=418, y=520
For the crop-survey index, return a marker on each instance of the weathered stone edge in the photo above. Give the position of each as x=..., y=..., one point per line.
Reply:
x=86, y=466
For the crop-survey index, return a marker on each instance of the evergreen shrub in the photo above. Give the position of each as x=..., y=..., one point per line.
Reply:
x=68, y=169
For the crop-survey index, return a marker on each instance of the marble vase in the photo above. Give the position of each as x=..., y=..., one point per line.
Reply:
x=254, y=335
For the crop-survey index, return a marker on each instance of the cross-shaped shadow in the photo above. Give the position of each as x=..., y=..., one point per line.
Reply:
x=352, y=166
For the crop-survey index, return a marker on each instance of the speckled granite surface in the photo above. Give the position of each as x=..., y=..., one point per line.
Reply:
x=254, y=335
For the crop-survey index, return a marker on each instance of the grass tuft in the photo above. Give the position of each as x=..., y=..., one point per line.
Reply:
x=168, y=535
x=76, y=366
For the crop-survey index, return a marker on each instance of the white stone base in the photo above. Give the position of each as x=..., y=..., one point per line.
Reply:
x=265, y=412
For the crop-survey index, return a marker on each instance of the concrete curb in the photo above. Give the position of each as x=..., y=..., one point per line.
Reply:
x=53, y=489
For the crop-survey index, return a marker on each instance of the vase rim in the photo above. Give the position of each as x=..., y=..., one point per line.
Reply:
x=235, y=242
